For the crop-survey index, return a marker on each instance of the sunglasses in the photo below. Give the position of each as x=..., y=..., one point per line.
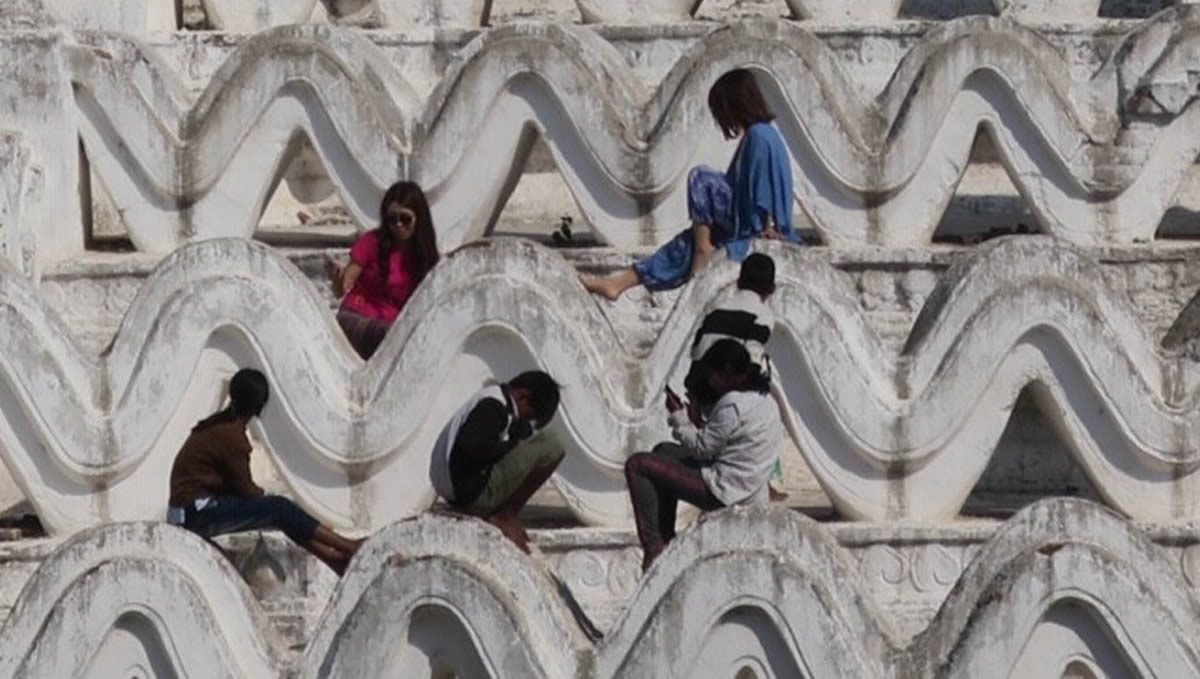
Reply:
x=401, y=217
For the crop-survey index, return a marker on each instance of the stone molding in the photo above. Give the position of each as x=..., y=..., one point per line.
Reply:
x=141, y=16
x=887, y=437
x=20, y=187
x=1062, y=581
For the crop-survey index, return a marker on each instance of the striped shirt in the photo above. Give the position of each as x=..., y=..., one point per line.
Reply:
x=744, y=317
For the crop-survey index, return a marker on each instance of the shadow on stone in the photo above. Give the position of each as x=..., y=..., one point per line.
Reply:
x=1030, y=463
x=945, y=9
x=1179, y=223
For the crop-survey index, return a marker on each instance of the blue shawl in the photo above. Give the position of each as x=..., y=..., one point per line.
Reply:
x=761, y=177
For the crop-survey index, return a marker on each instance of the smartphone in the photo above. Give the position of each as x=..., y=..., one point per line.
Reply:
x=672, y=394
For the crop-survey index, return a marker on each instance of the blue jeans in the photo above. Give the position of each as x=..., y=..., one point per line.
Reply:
x=228, y=514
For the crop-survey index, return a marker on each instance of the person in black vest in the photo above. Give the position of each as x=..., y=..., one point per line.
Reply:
x=491, y=456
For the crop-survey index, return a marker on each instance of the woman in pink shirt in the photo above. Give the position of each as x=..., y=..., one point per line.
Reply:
x=386, y=266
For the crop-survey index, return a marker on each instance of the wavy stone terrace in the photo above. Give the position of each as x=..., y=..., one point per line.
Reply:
x=984, y=352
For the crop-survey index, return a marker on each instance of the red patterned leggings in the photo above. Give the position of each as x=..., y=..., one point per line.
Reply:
x=657, y=482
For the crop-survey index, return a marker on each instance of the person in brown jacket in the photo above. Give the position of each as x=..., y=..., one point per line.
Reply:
x=213, y=493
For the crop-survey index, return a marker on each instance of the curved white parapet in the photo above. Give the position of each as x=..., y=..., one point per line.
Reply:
x=459, y=13
x=136, y=17
x=91, y=440
x=839, y=11
x=137, y=594
x=1063, y=581
x=636, y=11
x=206, y=169
x=1045, y=11
x=1061, y=584
x=247, y=17
x=878, y=171
x=20, y=186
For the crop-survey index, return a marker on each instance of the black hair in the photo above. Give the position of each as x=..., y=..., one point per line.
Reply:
x=542, y=389
x=729, y=357
x=736, y=103
x=757, y=274
x=424, y=239
x=248, y=394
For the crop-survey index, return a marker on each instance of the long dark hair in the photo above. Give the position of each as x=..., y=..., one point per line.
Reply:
x=729, y=357
x=248, y=394
x=736, y=103
x=424, y=238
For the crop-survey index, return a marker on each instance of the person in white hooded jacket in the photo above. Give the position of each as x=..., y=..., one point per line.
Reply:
x=724, y=460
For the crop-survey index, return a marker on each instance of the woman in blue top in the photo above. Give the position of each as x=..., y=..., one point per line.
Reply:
x=727, y=209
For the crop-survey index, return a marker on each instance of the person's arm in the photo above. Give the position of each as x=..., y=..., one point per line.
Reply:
x=478, y=442
x=364, y=250
x=345, y=280
x=236, y=470
x=707, y=442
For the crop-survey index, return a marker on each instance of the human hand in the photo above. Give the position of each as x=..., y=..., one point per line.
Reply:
x=520, y=430
x=334, y=271
x=673, y=401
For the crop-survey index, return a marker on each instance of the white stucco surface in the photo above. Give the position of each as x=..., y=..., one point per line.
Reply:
x=1061, y=585
x=913, y=374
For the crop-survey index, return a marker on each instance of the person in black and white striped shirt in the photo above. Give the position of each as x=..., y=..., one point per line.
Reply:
x=746, y=318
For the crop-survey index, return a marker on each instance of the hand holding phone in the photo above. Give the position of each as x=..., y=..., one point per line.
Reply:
x=673, y=401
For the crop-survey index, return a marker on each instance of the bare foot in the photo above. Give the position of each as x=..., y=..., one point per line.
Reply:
x=776, y=495
x=512, y=529
x=600, y=286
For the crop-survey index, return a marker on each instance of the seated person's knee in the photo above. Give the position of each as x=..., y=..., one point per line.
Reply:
x=662, y=448
x=636, y=463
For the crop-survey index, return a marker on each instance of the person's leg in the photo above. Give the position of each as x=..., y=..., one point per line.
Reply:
x=509, y=524
x=710, y=206
x=610, y=287
x=512, y=481
x=656, y=481
x=710, y=201
x=238, y=514
x=365, y=334
x=668, y=508
x=702, y=236
x=673, y=451
x=776, y=477
x=326, y=536
x=331, y=557
x=647, y=507
x=666, y=269
x=330, y=547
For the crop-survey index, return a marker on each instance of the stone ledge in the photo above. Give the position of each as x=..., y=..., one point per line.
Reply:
x=911, y=600
x=1025, y=313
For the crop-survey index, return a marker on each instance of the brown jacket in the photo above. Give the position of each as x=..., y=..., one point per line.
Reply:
x=214, y=461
